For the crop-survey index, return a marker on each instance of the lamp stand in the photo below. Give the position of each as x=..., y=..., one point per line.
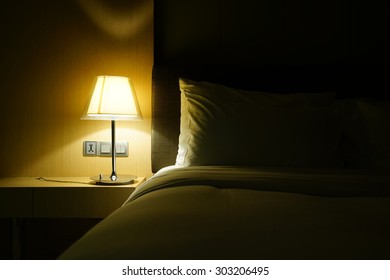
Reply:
x=113, y=179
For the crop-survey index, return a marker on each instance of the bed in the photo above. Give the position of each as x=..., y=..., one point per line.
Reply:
x=256, y=163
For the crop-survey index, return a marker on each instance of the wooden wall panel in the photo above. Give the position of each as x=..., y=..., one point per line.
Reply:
x=50, y=53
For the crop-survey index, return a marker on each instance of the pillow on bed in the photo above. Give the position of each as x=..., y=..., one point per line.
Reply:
x=225, y=126
x=374, y=118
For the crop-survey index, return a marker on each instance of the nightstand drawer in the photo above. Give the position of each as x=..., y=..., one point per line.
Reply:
x=97, y=202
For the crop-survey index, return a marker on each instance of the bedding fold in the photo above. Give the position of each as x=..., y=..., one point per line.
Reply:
x=318, y=182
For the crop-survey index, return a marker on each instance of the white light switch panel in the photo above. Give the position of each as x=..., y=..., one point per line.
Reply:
x=103, y=149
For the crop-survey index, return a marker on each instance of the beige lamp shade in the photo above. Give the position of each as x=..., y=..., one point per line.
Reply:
x=113, y=98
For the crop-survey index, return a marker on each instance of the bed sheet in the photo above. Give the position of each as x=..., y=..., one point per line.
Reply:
x=247, y=213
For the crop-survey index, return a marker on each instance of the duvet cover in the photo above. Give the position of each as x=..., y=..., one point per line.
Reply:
x=212, y=212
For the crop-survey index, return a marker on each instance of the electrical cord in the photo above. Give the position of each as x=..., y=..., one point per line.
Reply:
x=63, y=181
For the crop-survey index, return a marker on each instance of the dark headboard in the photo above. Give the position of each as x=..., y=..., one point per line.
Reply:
x=247, y=46
x=345, y=80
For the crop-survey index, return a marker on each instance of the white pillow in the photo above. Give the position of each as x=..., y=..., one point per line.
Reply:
x=225, y=126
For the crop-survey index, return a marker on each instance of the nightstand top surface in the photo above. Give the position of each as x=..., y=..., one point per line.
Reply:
x=52, y=182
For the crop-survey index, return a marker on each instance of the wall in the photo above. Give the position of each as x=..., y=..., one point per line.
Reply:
x=50, y=53
x=271, y=31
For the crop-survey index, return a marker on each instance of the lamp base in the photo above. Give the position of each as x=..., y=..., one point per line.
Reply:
x=120, y=180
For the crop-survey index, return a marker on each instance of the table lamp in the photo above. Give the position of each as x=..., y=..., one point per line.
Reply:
x=113, y=98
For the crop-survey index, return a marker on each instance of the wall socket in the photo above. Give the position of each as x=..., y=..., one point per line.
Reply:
x=103, y=149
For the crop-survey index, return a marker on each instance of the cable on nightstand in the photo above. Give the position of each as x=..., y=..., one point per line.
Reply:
x=63, y=181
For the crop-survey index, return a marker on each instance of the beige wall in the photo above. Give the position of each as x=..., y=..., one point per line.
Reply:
x=50, y=53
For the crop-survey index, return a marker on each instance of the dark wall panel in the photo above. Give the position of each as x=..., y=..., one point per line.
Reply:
x=271, y=31
x=187, y=29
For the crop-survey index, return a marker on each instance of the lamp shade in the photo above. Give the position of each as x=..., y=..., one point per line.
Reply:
x=113, y=98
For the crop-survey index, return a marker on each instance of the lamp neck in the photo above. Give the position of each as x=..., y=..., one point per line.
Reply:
x=113, y=176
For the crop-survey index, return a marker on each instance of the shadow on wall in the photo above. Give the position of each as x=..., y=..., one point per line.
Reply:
x=121, y=19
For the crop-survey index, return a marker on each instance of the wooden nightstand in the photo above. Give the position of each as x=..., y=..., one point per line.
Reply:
x=27, y=198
